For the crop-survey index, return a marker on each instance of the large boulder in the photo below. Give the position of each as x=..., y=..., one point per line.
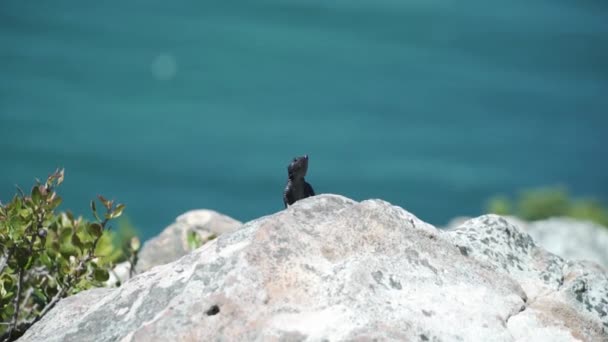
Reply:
x=570, y=238
x=329, y=268
x=172, y=242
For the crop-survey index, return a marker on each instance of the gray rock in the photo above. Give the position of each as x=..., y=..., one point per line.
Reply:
x=120, y=273
x=172, y=242
x=456, y=222
x=572, y=239
x=329, y=268
x=460, y=220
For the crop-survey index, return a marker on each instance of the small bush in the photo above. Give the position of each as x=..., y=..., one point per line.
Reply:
x=46, y=256
x=589, y=209
x=542, y=203
x=499, y=205
x=537, y=204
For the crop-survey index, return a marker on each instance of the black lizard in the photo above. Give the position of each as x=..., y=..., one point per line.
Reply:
x=297, y=188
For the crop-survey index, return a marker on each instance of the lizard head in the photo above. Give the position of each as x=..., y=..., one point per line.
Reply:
x=298, y=167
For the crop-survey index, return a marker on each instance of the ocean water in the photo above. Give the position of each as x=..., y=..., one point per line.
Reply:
x=432, y=105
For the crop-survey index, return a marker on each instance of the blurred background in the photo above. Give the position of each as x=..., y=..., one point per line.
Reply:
x=434, y=105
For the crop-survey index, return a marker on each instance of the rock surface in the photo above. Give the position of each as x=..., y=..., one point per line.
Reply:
x=172, y=242
x=329, y=268
x=572, y=239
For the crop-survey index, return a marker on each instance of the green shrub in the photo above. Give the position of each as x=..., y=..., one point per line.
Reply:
x=499, y=205
x=542, y=203
x=589, y=209
x=46, y=256
x=537, y=204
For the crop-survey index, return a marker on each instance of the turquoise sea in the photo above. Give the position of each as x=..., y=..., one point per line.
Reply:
x=432, y=105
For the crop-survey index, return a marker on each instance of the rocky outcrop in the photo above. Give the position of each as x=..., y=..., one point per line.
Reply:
x=572, y=239
x=172, y=242
x=329, y=268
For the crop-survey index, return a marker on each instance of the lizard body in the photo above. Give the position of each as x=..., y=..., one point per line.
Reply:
x=297, y=188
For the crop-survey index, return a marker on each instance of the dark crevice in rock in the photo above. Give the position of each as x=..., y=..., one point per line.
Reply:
x=560, y=284
x=579, y=288
x=522, y=308
x=395, y=284
x=427, y=313
x=213, y=310
x=463, y=250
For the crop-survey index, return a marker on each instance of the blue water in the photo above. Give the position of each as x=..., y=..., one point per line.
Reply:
x=433, y=105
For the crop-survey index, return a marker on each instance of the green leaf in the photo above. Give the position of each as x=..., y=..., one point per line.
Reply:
x=65, y=234
x=135, y=244
x=95, y=229
x=46, y=260
x=8, y=310
x=60, y=176
x=104, y=246
x=25, y=213
x=30, y=261
x=9, y=295
x=7, y=281
x=194, y=240
x=88, y=245
x=106, y=203
x=22, y=257
x=55, y=202
x=55, y=247
x=64, y=220
x=101, y=274
x=16, y=233
x=36, y=194
x=63, y=263
x=118, y=211
x=76, y=241
x=38, y=294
